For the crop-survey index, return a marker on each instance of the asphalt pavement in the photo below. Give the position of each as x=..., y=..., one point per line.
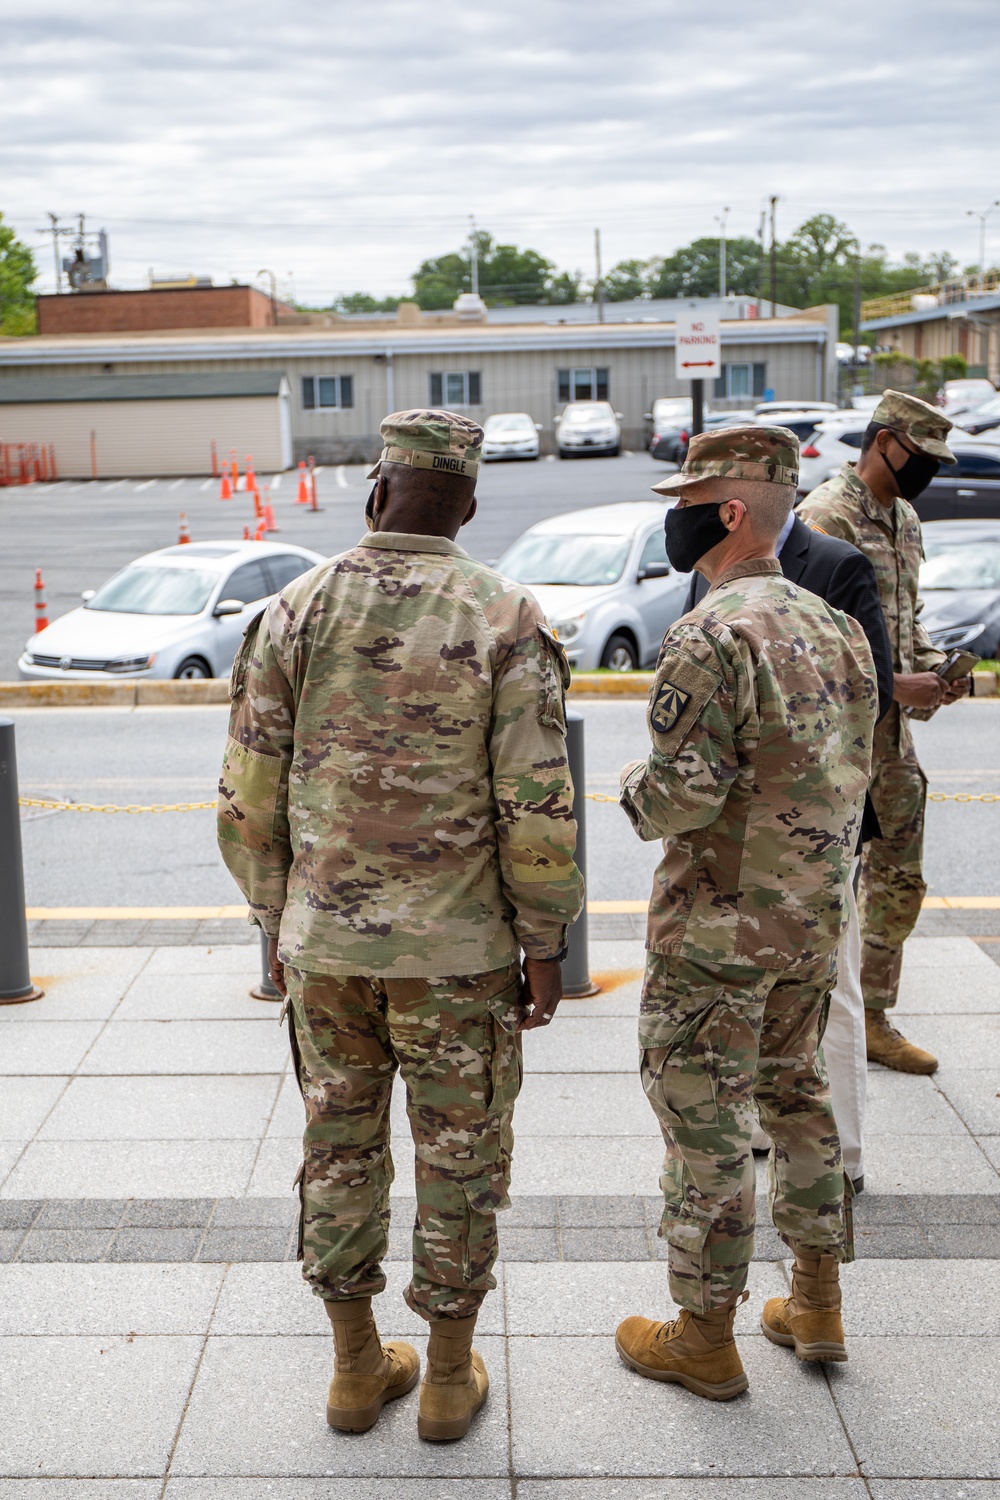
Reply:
x=80, y=533
x=168, y=755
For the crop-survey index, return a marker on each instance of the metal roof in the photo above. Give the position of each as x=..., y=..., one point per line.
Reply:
x=934, y=314
x=199, y=385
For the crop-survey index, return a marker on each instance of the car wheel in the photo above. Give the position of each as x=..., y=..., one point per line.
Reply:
x=619, y=655
x=563, y=453
x=616, y=450
x=192, y=669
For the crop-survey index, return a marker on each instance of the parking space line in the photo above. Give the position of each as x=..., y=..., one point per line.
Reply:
x=550, y=458
x=342, y=478
x=275, y=481
x=145, y=486
x=207, y=485
x=176, y=484
x=114, y=484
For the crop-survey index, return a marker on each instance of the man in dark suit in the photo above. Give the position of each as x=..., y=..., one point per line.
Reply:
x=845, y=578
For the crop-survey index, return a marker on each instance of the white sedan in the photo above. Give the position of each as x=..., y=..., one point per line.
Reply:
x=510, y=434
x=602, y=577
x=588, y=427
x=179, y=612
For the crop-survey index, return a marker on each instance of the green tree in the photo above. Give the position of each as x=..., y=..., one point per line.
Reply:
x=362, y=302
x=17, y=272
x=627, y=280
x=693, y=270
x=507, y=276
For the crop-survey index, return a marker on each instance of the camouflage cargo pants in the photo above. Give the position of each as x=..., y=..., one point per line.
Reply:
x=892, y=883
x=714, y=1039
x=454, y=1041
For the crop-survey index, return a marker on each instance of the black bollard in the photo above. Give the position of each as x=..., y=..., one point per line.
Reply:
x=266, y=989
x=577, y=983
x=15, y=976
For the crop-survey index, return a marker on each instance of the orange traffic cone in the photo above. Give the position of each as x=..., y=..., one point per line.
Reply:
x=185, y=535
x=258, y=535
x=270, y=523
x=234, y=468
x=302, y=498
x=41, y=612
x=251, y=476
x=246, y=534
x=258, y=509
x=225, y=488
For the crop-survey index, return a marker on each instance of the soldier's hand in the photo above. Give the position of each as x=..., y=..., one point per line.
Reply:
x=275, y=967
x=960, y=688
x=918, y=689
x=541, y=988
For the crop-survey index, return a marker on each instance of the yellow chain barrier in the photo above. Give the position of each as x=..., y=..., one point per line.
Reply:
x=166, y=807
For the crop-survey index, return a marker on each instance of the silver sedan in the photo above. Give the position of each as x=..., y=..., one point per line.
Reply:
x=178, y=612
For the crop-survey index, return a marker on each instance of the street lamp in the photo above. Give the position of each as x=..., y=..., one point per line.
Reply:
x=720, y=219
x=973, y=213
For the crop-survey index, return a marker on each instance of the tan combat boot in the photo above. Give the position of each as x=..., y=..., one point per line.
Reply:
x=889, y=1047
x=696, y=1350
x=455, y=1384
x=809, y=1320
x=367, y=1373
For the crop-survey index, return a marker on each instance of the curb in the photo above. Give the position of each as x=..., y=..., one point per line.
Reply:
x=216, y=690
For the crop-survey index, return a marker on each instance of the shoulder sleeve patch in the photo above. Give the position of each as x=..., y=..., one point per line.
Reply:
x=686, y=681
x=667, y=707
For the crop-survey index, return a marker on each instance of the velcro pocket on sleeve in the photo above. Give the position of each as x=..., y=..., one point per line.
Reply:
x=248, y=797
x=555, y=679
x=244, y=656
x=682, y=688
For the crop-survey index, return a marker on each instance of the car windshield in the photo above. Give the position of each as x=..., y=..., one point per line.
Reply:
x=540, y=557
x=967, y=565
x=513, y=423
x=588, y=411
x=155, y=591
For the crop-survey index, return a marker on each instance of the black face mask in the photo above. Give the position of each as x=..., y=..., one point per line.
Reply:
x=370, y=508
x=691, y=531
x=913, y=477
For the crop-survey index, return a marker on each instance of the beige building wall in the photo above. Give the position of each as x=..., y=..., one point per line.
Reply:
x=135, y=439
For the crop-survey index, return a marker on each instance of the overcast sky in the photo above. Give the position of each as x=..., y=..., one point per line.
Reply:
x=339, y=144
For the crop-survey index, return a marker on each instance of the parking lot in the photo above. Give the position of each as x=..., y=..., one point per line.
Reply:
x=79, y=533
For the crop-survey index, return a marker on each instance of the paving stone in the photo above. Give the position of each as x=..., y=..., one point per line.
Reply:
x=26, y=1102
x=196, y=997
x=65, y=1244
x=150, y=1169
x=37, y=1047
x=899, y=1104
x=583, y=1106
x=576, y=1299
x=704, y=1488
x=529, y=1243
x=155, y=1244
x=922, y=1298
x=974, y=1093
x=244, y=1244
x=991, y=1146
x=104, y=1109
x=113, y=1299
x=93, y=1406
x=109, y=959
x=605, y=1244
x=582, y=1211
x=939, y=1164
x=941, y=953
x=956, y=1208
x=577, y=1044
x=219, y=959
x=932, y=1417
x=254, y=1213
x=215, y=1047
x=71, y=997
x=528, y=1210
x=19, y=1213
x=963, y=990
x=961, y=1241
x=11, y=1153
x=935, y=1489
x=337, y=1489
x=254, y=1410
x=959, y=1041
x=266, y=1298
x=82, y=1489
x=621, y=1165
x=10, y=1240
x=81, y=1213
x=890, y=1242
x=563, y=1429
x=877, y=1209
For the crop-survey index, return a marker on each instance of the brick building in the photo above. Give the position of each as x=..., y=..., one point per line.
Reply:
x=158, y=308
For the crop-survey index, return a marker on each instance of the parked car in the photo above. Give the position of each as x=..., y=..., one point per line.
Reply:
x=773, y=409
x=803, y=421
x=984, y=417
x=959, y=396
x=834, y=442
x=510, y=434
x=588, y=427
x=671, y=427
x=602, y=577
x=968, y=490
x=178, y=612
x=960, y=580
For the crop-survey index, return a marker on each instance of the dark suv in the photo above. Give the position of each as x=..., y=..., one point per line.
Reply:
x=968, y=490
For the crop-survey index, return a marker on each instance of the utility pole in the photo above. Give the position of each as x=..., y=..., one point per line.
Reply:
x=857, y=311
x=982, y=217
x=774, y=260
x=473, y=255
x=720, y=219
x=599, y=283
x=760, y=261
x=274, y=295
x=55, y=232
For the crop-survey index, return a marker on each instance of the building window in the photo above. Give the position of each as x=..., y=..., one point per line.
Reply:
x=583, y=385
x=327, y=392
x=452, y=388
x=741, y=380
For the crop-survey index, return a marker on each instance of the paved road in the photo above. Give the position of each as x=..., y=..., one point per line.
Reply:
x=173, y=754
x=80, y=533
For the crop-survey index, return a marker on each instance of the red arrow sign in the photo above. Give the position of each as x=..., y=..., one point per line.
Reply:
x=697, y=364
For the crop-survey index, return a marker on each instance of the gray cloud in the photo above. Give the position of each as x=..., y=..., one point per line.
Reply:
x=344, y=142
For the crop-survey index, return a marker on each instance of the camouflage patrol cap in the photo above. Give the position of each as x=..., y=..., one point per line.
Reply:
x=442, y=441
x=768, y=453
x=924, y=425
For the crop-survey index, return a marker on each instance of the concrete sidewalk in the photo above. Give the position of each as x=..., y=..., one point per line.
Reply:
x=155, y=1339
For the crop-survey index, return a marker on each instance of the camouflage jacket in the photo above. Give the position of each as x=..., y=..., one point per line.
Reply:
x=395, y=797
x=761, y=717
x=844, y=506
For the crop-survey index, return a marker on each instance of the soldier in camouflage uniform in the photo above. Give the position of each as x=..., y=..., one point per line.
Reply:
x=396, y=807
x=868, y=504
x=761, y=719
